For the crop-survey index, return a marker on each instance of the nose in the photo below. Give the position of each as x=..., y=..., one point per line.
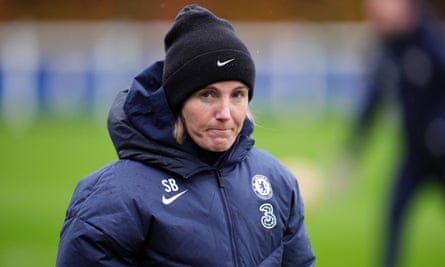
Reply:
x=223, y=110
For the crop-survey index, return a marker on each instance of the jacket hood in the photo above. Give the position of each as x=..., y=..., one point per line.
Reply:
x=140, y=124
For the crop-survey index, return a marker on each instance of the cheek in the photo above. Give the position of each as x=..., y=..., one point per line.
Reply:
x=240, y=115
x=193, y=117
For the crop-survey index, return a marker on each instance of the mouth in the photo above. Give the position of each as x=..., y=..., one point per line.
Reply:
x=219, y=131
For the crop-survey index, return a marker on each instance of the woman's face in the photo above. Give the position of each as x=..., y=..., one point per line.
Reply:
x=214, y=115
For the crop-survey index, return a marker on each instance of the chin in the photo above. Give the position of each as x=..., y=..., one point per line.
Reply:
x=220, y=148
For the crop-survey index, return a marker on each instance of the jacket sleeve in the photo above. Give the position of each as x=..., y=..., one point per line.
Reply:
x=102, y=226
x=297, y=247
x=83, y=244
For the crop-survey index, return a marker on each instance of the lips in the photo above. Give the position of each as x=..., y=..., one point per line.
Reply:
x=219, y=131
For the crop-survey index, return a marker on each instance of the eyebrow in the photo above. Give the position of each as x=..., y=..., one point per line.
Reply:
x=235, y=88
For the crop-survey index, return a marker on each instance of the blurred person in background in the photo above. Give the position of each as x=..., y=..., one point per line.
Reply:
x=190, y=188
x=410, y=65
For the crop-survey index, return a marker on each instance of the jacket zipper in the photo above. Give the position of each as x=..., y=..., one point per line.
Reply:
x=228, y=216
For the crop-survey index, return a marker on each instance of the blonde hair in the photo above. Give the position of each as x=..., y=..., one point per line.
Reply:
x=180, y=134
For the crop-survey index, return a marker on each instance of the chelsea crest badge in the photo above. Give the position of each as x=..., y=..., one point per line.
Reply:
x=262, y=187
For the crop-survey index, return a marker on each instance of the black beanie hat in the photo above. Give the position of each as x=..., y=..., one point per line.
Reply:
x=202, y=49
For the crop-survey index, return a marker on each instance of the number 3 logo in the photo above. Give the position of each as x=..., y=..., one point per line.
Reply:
x=268, y=220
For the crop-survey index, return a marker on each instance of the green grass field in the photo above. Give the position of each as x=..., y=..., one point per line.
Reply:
x=344, y=208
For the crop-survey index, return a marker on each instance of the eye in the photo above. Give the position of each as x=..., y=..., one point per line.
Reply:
x=240, y=93
x=205, y=94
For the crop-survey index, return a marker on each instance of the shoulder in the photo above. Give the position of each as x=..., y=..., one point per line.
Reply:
x=123, y=192
x=116, y=173
x=113, y=187
x=264, y=163
x=267, y=160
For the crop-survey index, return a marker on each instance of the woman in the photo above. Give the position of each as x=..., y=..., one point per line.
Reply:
x=189, y=188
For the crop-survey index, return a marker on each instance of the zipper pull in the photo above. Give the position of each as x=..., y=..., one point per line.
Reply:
x=220, y=179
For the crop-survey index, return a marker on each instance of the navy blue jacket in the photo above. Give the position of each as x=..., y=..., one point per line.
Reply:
x=161, y=205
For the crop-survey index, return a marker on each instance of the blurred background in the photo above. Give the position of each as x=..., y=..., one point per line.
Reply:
x=63, y=62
